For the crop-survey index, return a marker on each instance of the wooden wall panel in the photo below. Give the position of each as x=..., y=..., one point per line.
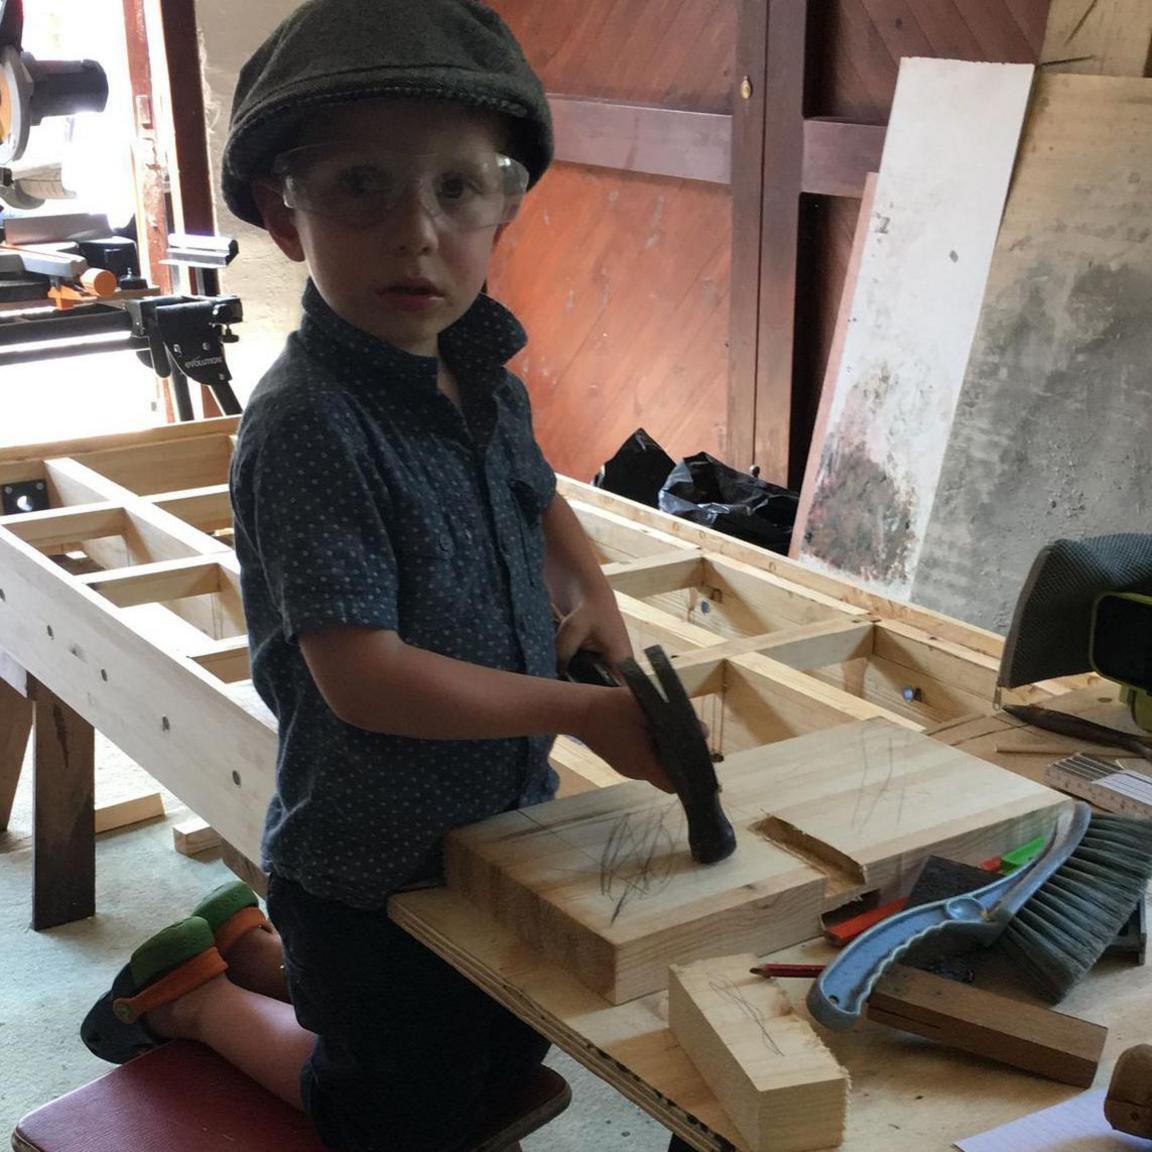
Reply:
x=623, y=281
x=672, y=53
x=856, y=45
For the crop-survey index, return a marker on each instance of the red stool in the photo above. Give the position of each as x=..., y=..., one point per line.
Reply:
x=182, y=1097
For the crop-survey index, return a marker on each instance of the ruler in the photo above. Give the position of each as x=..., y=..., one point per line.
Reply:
x=1103, y=783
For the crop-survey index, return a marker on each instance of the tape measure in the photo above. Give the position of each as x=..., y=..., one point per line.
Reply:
x=1103, y=783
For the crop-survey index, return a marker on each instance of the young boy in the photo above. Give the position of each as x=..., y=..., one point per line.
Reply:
x=404, y=554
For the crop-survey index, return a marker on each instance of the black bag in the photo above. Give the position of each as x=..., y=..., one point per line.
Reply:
x=638, y=470
x=705, y=491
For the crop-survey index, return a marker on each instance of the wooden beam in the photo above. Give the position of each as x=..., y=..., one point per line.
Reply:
x=151, y=205
x=155, y=583
x=839, y=155
x=642, y=138
x=123, y=813
x=53, y=528
x=1028, y=1036
x=779, y=235
x=782, y=1087
x=747, y=211
x=63, y=820
x=207, y=508
x=15, y=728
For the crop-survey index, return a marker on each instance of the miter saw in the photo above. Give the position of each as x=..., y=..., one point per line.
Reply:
x=1086, y=605
x=32, y=89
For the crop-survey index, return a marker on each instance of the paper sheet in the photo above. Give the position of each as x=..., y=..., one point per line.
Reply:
x=1077, y=1125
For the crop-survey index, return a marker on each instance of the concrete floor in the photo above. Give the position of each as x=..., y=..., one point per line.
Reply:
x=48, y=980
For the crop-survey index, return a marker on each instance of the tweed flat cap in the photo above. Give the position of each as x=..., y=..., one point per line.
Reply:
x=334, y=51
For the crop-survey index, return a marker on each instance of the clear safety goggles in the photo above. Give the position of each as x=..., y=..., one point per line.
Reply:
x=365, y=185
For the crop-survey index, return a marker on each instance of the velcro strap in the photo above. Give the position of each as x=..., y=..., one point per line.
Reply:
x=179, y=982
x=239, y=923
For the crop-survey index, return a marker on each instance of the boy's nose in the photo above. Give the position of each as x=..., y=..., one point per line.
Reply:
x=411, y=227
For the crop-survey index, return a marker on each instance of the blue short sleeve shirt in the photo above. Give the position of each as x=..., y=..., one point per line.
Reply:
x=363, y=495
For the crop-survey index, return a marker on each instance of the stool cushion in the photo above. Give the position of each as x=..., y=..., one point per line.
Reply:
x=182, y=1097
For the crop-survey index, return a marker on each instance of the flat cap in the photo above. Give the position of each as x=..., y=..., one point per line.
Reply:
x=335, y=51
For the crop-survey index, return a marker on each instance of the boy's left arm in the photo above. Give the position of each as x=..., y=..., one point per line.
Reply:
x=589, y=617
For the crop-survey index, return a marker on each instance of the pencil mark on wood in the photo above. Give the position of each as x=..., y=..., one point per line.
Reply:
x=638, y=858
x=734, y=994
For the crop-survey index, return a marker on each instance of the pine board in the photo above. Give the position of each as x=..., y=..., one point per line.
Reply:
x=783, y=1089
x=604, y=880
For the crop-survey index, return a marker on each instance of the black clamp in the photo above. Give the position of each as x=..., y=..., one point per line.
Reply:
x=185, y=340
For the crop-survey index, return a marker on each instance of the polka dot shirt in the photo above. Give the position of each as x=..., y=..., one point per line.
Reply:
x=362, y=495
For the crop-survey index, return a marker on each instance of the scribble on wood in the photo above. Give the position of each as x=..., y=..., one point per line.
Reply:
x=637, y=860
x=734, y=994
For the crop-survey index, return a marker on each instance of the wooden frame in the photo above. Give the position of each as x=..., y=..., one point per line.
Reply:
x=123, y=600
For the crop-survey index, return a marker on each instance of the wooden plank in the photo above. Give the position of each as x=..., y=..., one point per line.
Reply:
x=194, y=836
x=63, y=816
x=196, y=462
x=948, y=159
x=618, y=538
x=641, y=138
x=748, y=124
x=1100, y=37
x=54, y=528
x=122, y=813
x=161, y=581
x=15, y=728
x=1056, y=375
x=779, y=236
x=839, y=156
x=226, y=659
x=1028, y=1036
x=604, y=879
x=783, y=1089
x=25, y=461
x=655, y=574
x=208, y=508
x=832, y=370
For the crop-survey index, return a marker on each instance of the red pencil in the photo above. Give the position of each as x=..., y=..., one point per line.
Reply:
x=811, y=970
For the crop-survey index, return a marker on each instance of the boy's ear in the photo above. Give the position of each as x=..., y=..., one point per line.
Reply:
x=279, y=219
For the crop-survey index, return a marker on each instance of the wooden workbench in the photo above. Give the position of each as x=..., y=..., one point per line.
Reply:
x=120, y=611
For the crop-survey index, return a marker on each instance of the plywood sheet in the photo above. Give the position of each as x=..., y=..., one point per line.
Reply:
x=1051, y=436
x=605, y=882
x=939, y=198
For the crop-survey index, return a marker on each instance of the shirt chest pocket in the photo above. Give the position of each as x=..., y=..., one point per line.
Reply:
x=530, y=500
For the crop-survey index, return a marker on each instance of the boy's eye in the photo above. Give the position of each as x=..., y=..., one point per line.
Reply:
x=361, y=180
x=455, y=186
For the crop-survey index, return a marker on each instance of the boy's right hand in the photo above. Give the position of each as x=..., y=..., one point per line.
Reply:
x=615, y=728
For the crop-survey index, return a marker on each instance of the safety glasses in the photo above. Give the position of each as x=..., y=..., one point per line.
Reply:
x=365, y=185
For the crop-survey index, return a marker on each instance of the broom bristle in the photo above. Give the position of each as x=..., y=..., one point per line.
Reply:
x=1060, y=932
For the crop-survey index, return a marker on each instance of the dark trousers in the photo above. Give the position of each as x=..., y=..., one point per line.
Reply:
x=407, y=1050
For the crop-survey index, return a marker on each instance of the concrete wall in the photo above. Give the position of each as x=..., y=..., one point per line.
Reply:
x=268, y=284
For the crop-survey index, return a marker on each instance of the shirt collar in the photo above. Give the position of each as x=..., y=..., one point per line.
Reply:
x=486, y=337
